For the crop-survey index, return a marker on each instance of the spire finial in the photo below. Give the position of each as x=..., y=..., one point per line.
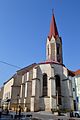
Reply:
x=53, y=27
x=52, y=11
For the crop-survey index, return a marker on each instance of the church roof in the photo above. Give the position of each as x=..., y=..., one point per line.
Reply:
x=26, y=69
x=51, y=62
x=22, y=71
x=53, y=28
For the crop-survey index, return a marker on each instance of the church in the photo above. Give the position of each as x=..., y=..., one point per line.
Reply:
x=45, y=86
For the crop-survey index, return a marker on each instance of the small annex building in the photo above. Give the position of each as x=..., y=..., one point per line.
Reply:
x=76, y=90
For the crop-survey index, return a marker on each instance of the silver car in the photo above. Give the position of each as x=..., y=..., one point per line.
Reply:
x=76, y=113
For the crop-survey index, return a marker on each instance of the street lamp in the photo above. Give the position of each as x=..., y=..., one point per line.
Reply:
x=17, y=103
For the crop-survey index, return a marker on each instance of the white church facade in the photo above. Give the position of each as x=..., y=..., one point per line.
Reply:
x=46, y=85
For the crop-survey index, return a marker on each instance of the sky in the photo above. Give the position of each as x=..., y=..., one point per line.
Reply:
x=24, y=27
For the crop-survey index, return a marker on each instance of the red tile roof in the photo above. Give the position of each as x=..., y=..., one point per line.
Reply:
x=77, y=72
x=71, y=73
x=53, y=29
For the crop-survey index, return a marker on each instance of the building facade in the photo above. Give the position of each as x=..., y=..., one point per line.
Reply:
x=11, y=92
x=76, y=90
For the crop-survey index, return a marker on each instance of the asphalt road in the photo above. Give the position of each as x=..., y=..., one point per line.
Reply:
x=48, y=116
x=41, y=116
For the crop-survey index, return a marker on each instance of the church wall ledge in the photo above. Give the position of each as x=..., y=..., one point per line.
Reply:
x=28, y=81
x=15, y=86
x=23, y=84
x=44, y=97
x=53, y=78
x=33, y=96
x=35, y=79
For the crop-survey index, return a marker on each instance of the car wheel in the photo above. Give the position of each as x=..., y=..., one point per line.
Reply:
x=76, y=115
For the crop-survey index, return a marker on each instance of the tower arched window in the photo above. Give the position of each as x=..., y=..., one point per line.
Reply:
x=57, y=50
x=58, y=53
x=44, y=84
x=48, y=49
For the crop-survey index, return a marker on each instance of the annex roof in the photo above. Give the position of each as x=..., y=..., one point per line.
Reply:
x=77, y=72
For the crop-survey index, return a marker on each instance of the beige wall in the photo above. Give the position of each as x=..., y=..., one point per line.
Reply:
x=1, y=92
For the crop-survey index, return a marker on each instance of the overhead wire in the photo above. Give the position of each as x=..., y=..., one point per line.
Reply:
x=10, y=64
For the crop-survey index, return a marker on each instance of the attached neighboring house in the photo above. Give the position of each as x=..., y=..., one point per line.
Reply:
x=11, y=92
x=12, y=89
x=76, y=90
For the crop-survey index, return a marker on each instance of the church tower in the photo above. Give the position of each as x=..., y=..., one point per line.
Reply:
x=54, y=44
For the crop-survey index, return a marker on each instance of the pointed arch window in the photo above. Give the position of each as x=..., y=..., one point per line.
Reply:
x=44, y=84
x=58, y=88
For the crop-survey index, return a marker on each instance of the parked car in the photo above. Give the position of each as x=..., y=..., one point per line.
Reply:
x=6, y=111
x=21, y=117
x=75, y=114
x=26, y=117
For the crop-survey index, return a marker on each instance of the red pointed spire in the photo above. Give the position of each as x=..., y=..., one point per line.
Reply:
x=53, y=28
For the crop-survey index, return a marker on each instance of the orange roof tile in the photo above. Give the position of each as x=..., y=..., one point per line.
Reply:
x=77, y=72
x=71, y=73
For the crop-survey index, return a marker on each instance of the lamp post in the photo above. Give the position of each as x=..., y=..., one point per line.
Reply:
x=17, y=103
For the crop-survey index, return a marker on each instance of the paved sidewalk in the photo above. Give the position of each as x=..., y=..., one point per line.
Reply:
x=49, y=116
